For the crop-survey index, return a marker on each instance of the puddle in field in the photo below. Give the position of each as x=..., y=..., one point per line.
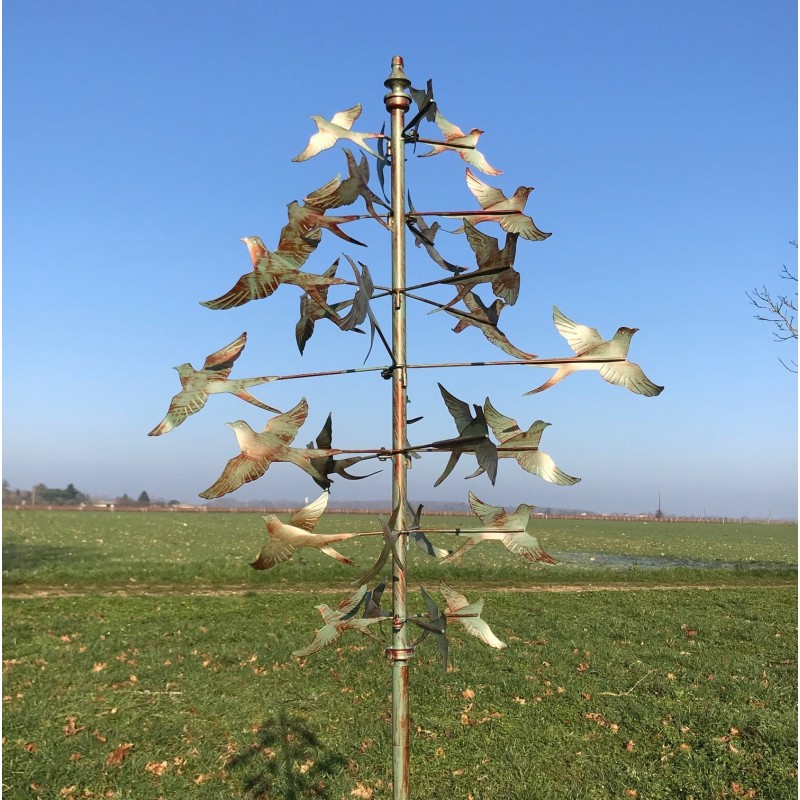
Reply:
x=616, y=561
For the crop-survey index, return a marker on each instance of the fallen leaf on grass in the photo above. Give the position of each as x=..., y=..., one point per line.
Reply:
x=30, y=747
x=119, y=754
x=364, y=792
x=468, y=694
x=99, y=666
x=207, y=776
x=70, y=729
x=157, y=768
x=737, y=790
x=630, y=747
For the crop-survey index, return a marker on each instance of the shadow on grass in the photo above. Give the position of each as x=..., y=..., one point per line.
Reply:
x=288, y=761
x=19, y=557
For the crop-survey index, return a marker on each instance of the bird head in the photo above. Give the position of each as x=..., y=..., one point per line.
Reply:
x=476, y=132
x=184, y=370
x=272, y=522
x=523, y=191
x=242, y=431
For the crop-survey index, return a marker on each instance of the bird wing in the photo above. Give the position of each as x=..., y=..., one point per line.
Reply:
x=455, y=600
x=478, y=160
x=486, y=195
x=345, y=119
x=527, y=546
x=325, y=436
x=449, y=131
x=296, y=244
x=629, y=375
x=504, y=428
x=506, y=285
x=457, y=408
x=581, y=338
x=182, y=405
x=538, y=463
x=333, y=194
x=484, y=246
x=285, y=426
x=486, y=453
x=425, y=544
x=221, y=362
x=326, y=635
x=257, y=284
x=272, y=553
x=491, y=516
x=351, y=603
x=239, y=470
x=306, y=518
x=477, y=627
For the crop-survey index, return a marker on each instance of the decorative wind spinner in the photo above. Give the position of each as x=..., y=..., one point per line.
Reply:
x=480, y=293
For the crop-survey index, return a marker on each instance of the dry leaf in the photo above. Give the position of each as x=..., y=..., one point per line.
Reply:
x=362, y=791
x=203, y=778
x=30, y=747
x=118, y=755
x=629, y=746
x=468, y=694
x=75, y=757
x=70, y=729
x=99, y=666
x=157, y=768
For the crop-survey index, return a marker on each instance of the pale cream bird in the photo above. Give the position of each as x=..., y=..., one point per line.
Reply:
x=338, y=127
x=529, y=457
x=459, y=609
x=606, y=356
x=499, y=525
x=284, y=538
x=453, y=135
x=198, y=384
x=494, y=200
x=339, y=621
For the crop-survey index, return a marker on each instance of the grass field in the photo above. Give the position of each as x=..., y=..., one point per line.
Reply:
x=659, y=691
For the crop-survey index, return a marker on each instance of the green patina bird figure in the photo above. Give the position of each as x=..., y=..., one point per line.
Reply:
x=260, y=450
x=338, y=621
x=499, y=525
x=284, y=538
x=453, y=135
x=459, y=609
x=493, y=200
x=198, y=384
x=529, y=457
x=587, y=343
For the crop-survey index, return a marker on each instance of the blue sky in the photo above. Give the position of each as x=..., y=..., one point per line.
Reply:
x=141, y=141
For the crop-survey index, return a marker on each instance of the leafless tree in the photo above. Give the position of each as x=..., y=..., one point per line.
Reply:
x=780, y=310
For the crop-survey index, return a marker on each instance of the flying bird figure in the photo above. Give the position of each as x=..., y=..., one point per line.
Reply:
x=424, y=235
x=337, y=622
x=435, y=624
x=495, y=266
x=328, y=465
x=473, y=437
x=198, y=384
x=338, y=192
x=485, y=319
x=499, y=525
x=284, y=538
x=259, y=450
x=426, y=109
x=463, y=144
x=270, y=270
x=529, y=457
x=312, y=312
x=493, y=200
x=338, y=127
x=588, y=344
x=459, y=609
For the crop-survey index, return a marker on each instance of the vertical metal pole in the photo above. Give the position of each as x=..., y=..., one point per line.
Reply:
x=397, y=103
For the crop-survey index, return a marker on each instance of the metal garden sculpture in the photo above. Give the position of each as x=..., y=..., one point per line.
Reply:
x=494, y=268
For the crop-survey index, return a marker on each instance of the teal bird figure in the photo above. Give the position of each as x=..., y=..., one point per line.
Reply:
x=284, y=538
x=260, y=450
x=271, y=269
x=198, y=384
x=473, y=437
x=493, y=200
x=328, y=465
x=529, y=457
x=499, y=525
x=465, y=144
x=485, y=319
x=587, y=343
x=459, y=609
x=337, y=622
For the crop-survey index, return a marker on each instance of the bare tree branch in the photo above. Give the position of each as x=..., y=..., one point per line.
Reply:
x=780, y=310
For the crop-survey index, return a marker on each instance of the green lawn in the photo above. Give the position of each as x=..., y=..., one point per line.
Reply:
x=665, y=690
x=668, y=694
x=75, y=548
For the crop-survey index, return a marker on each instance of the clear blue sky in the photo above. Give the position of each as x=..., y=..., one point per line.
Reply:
x=142, y=140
